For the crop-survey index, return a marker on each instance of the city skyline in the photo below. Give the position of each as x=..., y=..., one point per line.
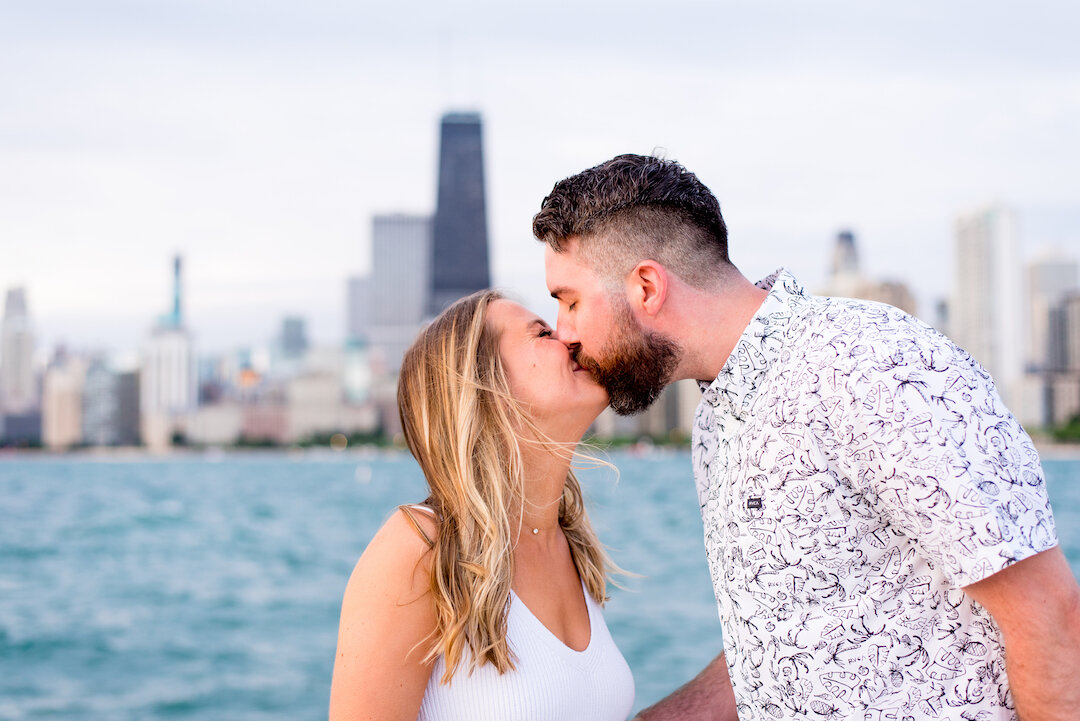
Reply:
x=259, y=141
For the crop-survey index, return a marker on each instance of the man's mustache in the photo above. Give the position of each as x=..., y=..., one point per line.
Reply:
x=588, y=363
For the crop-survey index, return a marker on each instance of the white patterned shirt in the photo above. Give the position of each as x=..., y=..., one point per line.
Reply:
x=855, y=470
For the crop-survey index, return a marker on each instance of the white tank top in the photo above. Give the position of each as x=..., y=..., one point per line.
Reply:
x=550, y=681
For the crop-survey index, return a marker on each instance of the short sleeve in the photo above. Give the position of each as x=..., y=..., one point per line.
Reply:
x=926, y=437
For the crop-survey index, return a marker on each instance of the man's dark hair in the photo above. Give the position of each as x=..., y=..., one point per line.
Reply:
x=635, y=207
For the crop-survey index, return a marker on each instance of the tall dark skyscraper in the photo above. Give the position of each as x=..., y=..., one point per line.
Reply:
x=459, y=252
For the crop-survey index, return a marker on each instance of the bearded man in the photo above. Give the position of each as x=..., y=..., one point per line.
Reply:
x=876, y=521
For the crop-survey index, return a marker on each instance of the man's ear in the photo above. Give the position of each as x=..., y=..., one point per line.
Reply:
x=647, y=287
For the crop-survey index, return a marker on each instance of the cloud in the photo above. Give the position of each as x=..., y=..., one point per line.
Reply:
x=258, y=138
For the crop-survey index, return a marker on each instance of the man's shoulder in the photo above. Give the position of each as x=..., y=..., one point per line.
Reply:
x=862, y=344
x=855, y=316
x=876, y=329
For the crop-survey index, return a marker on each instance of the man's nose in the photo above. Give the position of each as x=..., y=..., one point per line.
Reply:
x=566, y=333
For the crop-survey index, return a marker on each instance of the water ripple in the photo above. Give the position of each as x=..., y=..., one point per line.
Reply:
x=199, y=588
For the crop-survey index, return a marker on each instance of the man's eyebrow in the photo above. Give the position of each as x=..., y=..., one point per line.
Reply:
x=559, y=291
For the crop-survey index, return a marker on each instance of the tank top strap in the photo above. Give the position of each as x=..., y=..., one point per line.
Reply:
x=409, y=513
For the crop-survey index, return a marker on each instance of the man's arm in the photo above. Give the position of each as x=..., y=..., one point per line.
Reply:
x=708, y=697
x=1036, y=604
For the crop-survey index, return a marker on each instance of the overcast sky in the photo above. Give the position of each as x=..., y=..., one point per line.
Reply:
x=257, y=138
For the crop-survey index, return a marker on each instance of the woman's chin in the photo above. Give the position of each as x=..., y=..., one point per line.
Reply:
x=574, y=423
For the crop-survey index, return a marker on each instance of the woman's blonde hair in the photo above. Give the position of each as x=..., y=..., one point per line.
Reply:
x=465, y=429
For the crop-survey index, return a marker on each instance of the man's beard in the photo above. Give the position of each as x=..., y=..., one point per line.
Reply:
x=636, y=366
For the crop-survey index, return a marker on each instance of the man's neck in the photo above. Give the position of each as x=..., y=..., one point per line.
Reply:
x=708, y=324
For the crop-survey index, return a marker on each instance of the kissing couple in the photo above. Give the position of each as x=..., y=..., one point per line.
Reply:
x=876, y=522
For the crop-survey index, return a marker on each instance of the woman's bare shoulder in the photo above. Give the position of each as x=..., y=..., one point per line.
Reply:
x=387, y=622
x=399, y=556
x=389, y=591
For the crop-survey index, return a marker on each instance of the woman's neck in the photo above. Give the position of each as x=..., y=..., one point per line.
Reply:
x=545, y=472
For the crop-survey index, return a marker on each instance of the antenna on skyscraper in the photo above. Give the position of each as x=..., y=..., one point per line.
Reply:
x=174, y=318
x=447, y=63
x=177, y=314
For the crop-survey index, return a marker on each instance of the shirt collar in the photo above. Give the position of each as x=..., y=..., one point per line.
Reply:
x=738, y=383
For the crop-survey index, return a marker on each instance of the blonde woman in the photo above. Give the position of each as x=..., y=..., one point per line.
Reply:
x=484, y=601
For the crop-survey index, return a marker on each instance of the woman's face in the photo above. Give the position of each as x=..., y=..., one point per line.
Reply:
x=560, y=395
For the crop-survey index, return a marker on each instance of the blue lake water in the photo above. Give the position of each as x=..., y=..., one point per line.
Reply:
x=209, y=588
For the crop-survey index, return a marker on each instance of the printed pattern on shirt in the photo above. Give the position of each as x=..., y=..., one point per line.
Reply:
x=855, y=469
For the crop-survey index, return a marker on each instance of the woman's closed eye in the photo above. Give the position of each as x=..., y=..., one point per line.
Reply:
x=546, y=333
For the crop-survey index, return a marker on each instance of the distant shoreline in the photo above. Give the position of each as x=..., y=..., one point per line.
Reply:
x=1047, y=451
x=1058, y=451
x=216, y=453
x=139, y=453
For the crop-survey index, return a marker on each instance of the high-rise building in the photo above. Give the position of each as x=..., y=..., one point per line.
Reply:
x=61, y=402
x=845, y=256
x=399, y=286
x=358, y=309
x=459, y=252
x=1050, y=278
x=845, y=275
x=1048, y=391
x=18, y=386
x=356, y=370
x=1061, y=378
x=847, y=280
x=401, y=268
x=126, y=419
x=294, y=340
x=168, y=381
x=110, y=406
x=99, y=404
x=1063, y=332
x=985, y=315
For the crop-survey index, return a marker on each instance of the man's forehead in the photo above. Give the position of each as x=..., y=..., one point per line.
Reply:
x=565, y=267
